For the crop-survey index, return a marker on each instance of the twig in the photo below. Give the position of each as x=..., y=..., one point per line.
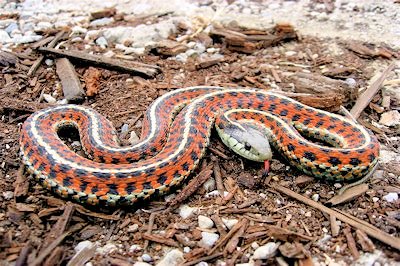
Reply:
x=49, y=249
x=347, y=218
x=160, y=239
x=351, y=243
x=127, y=66
x=39, y=61
x=149, y=228
x=218, y=178
x=23, y=255
x=367, y=96
x=193, y=185
x=225, y=238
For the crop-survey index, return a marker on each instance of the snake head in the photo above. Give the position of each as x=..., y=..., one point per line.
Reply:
x=246, y=141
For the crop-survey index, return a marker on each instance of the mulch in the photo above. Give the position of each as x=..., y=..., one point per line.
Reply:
x=38, y=227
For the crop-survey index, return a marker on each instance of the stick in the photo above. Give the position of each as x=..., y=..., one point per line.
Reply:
x=367, y=96
x=39, y=61
x=347, y=218
x=127, y=66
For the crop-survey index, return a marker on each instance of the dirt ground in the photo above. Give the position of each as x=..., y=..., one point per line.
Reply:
x=36, y=226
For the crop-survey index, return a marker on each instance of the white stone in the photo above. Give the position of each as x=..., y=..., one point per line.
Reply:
x=124, y=128
x=146, y=257
x=187, y=249
x=266, y=251
x=215, y=193
x=133, y=228
x=209, y=185
x=134, y=248
x=76, y=30
x=290, y=53
x=185, y=211
x=135, y=50
x=208, y=239
x=390, y=119
x=255, y=245
x=102, y=42
x=315, y=197
x=133, y=137
x=7, y=195
x=26, y=39
x=101, y=22
x=205, y=222
x=391, y=196
x=375, y=199
x=107, y=248
x=43, y=25
x=49, y=62
x=141, y=35
x=83, y=245
x=172, y=258
x=229, y=223
x=48, y=98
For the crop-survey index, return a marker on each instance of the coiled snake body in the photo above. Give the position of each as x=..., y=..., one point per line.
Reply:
x=175, y=134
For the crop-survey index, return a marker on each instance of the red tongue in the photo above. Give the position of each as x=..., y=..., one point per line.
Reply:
x=266, y=168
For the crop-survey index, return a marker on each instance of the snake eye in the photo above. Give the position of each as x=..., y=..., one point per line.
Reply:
x=247, y=146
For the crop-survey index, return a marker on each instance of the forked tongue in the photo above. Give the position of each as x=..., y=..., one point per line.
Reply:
x=266, y=168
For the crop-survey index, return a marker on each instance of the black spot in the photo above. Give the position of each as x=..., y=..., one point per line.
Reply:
x=185, y=166
x=100, y=158
x=121, y=175
x=320, y=115
x=153, y=149
x=291, y=147
x=233, y=93
x=284, y=112
x=52, y=174
x=298, y=106
x=147, y=185
x=307, y=121
x=272, y=107
x=296, y=117
x=193, y=130
x=355, y=161
x=83, y=185
x=331, y=127
x=194, y=156
x=64, y=168
x=361, y=151
x=95, y=189
x=161, y=179
x=341, y=131
x=309, y=155
x=102, y=175
x=67, y=182
x=130, y=188
x=150, y=171
x=319, y=123
x=41, y=167
x=115, y=161
x=284, y=101
x=333, y=119
x=371, y=157
x=334, y=161
x=112, y=189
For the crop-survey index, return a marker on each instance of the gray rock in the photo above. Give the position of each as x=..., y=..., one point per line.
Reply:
x=11, y=27
x=141, y=35
x=266, y=251
x=4, y=37
x=208, y=239
x=205, y=222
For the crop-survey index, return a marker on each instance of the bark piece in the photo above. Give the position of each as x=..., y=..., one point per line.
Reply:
x=135, y=68
x=348, y=195
x=170, y=48
x=70, y=82
x=92, y=81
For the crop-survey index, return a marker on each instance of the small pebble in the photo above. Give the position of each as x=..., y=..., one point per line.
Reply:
x=141, y=263
x=187, y=249
x=146, y=257
x=172, y=258
x=48, y=98
x=205, y=222
x=392, y=196
x=133, y=228
x=315, y=197
x=209, y=185
x=124, y=128
x=49, y=62
x=102, y=42
x=266, y=251
x=8, y=195
x=229, y=223
x=186, y=211
x=134, y=248
x=82, y=245
x=208, y=239
x=255, y=245
x=375, y=199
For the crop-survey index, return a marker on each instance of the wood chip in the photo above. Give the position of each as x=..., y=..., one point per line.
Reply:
x=160, y=239
x=92, y=81
x=348, y=195
x=70, y=82
x=351, y=243
x=334, y=225
x=234, y=241
x=135, y=68
x=347, y=218
x=364, y=241
x=170, y=47
x=367, y=96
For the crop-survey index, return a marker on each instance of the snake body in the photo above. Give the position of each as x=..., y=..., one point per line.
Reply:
x=175, y=134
